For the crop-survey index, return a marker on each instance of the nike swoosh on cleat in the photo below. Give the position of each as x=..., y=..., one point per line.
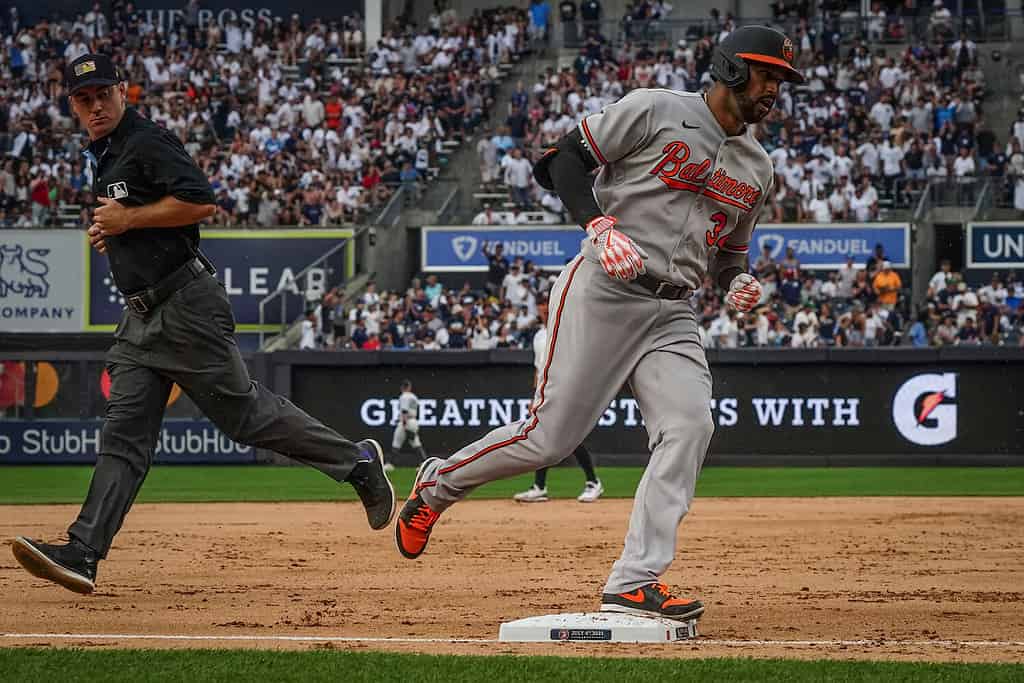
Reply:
x=636, y=596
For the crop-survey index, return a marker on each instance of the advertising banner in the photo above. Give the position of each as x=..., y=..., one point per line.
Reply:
x=42, y=442
x=792, y=410
x=818, y=247
x=168, y=15
x=41, y=274
x=995, y=245
x=252, y=264
x=460, y=248
x=826, y=247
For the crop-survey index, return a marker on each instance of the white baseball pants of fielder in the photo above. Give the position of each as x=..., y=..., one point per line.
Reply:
x=410, y=430
x=603, y=333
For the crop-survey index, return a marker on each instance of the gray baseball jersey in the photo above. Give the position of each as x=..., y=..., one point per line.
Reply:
x=689, y=195
x=683, y=189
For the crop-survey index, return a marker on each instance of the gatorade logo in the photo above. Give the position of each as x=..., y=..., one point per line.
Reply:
x=924, y=409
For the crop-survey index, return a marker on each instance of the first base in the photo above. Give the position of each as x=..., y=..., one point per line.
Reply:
x=607, y=627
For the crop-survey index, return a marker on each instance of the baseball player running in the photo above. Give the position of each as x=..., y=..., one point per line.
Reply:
x=408, y=428
x=538, y=493
x=681, y=182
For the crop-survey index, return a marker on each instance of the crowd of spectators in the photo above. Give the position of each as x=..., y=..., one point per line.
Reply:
x=864, y=305
x=858, y=305
x=872, y=125
x=502, y=314
x=295, y=122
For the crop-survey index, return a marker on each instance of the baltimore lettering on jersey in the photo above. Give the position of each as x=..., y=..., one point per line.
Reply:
x=678, y=172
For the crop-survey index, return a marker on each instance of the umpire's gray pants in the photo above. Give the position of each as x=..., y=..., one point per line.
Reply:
x=603, y=334
x=189, y=339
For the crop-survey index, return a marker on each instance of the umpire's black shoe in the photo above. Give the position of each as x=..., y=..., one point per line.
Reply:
x=371, y=482
x=652, y=600
x=72, y=565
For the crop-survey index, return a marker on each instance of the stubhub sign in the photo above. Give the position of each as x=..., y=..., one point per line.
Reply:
x=822, y=247
x=78, y=441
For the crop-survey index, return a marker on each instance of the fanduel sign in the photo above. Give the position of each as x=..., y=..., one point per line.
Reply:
x=826, y=247
x=821, y=247
x=41, y=273
x=460, y=249
x=995, y=245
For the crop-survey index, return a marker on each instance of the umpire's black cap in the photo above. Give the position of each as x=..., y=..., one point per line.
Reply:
x=90, y=69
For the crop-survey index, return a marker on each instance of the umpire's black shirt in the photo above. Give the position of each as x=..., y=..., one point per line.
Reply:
x=141, y=163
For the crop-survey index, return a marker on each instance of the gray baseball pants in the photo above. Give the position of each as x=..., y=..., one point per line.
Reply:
x=604, y=333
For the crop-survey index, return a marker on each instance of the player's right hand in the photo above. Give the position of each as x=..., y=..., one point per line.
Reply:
x=620, y=256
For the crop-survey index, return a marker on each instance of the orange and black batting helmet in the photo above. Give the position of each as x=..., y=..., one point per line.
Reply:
x=730, y=62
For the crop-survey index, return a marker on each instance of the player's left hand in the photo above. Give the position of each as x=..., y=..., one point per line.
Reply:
x=744, y=292
x=112, y=218
x=96, y=239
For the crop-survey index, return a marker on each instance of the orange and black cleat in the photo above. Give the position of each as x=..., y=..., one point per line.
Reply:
x=416, y=520
x=652, y=600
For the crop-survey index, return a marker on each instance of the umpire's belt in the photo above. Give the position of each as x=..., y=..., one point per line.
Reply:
x=662, y=288
x=146, y=300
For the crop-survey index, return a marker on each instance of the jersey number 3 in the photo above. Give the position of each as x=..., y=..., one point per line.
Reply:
x=713, y=236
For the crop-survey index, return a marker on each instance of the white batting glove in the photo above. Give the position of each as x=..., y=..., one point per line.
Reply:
x=621, y=257
x=744, y=292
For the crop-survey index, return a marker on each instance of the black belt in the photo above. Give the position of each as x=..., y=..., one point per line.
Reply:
x=144, y=301
x=662, y=288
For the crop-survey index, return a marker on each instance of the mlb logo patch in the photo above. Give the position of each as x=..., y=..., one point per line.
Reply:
x=117, y=190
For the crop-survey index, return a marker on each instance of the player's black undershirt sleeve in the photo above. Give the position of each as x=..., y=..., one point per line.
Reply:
x=566, y=168
x=727, y=275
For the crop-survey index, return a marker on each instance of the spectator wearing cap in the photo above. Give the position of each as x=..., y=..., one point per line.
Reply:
x=874, y=262
x=487, y=217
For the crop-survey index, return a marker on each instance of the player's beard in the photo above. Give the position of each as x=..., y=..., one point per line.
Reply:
x=753, y=110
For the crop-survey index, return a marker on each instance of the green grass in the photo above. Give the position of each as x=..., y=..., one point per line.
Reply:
x=97, y=666
x=186, y=484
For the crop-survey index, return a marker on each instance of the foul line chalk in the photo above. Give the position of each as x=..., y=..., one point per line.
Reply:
x=479, y=641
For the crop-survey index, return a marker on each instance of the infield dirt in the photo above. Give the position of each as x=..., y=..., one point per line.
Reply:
x=886, y=570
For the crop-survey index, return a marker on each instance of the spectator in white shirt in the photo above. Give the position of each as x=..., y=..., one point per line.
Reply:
x=518, y=174
x=938, y=281
x=883, y=113
x=892, y=163
x=308, y=339
x=861, y=205
x=818, y=208
x=487, y=217
x=837, y=203
x=867, y=152
x=513, y=287
x=963, y=166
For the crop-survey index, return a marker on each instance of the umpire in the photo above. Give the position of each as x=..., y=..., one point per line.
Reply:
x=177, y=327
